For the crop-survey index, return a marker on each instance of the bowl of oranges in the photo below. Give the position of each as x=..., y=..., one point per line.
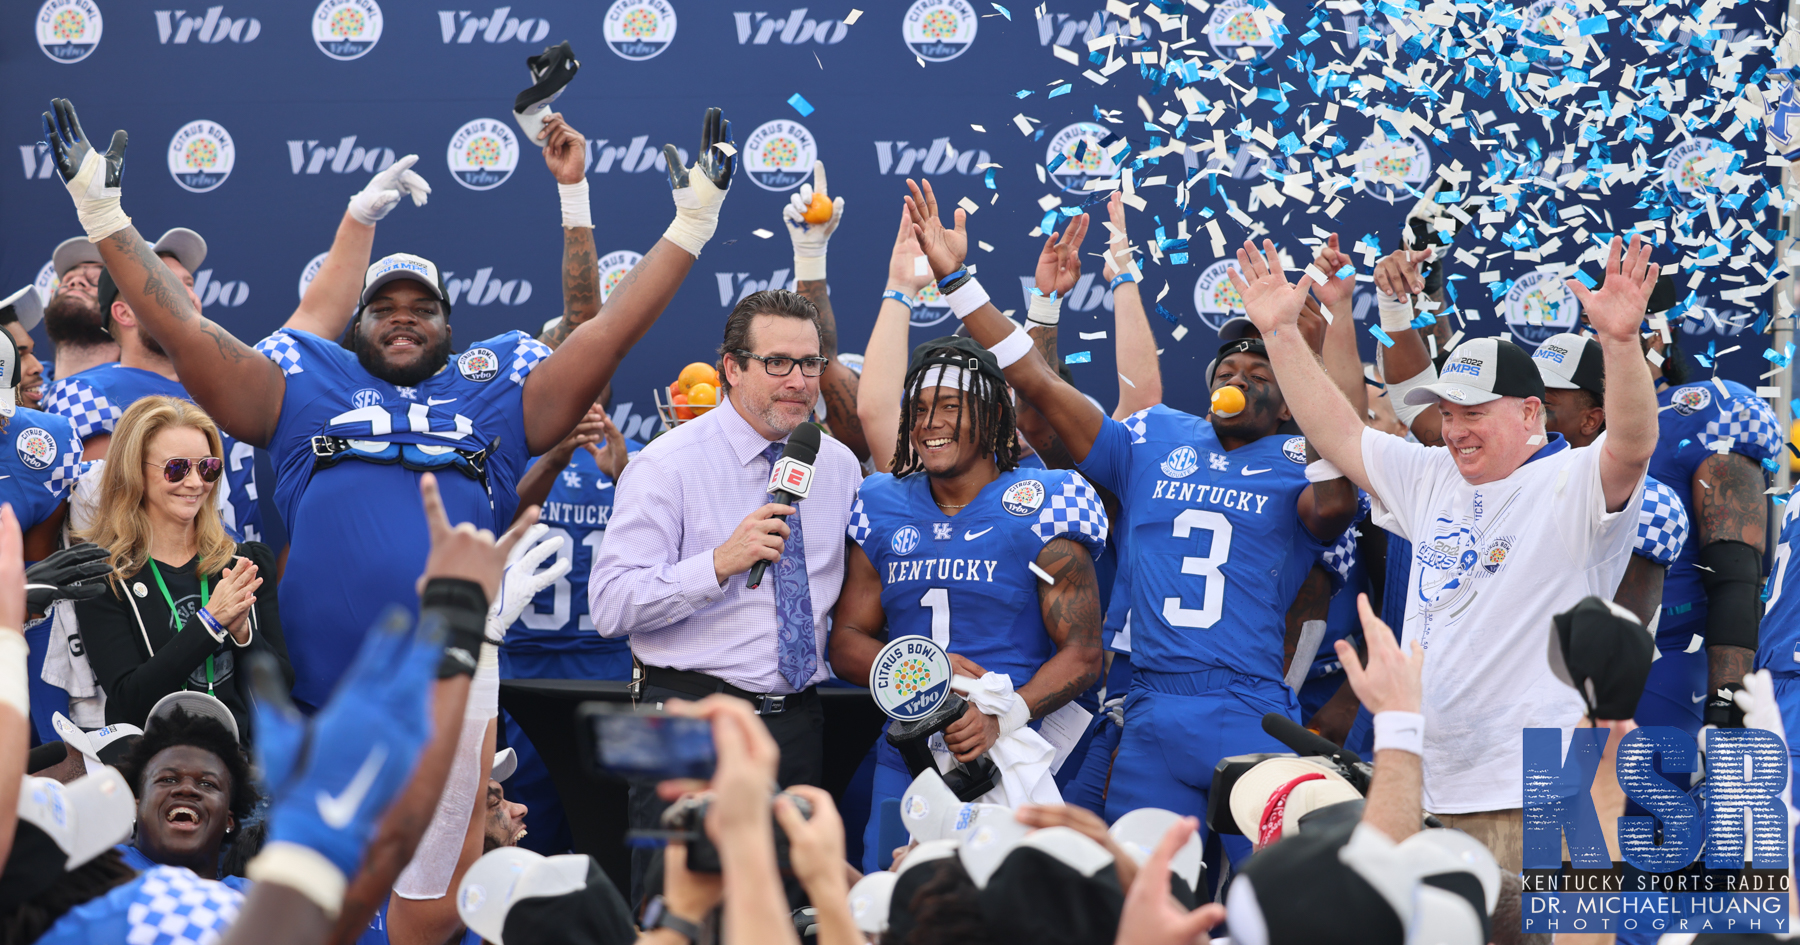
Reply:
x=694, y=392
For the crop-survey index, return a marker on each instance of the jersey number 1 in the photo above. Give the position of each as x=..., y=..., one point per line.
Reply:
x=1212, y=604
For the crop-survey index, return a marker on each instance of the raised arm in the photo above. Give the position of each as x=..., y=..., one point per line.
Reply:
x=1058, y=271
x=1616, y=310
x=838, y=385
x=560, y=389
x=1407, y=362
x=1273, y=304
x=1336, y=294
x=240, y=388
x=1075, y=419
x=331, y=300
x=884, y=359
x=1134, y=346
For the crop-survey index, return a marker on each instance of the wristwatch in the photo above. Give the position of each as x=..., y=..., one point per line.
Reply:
x=658, y=916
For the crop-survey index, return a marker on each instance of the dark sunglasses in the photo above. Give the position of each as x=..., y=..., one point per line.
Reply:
x=177, y=469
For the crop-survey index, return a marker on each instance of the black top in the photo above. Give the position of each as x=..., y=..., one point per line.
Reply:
x=134, y=680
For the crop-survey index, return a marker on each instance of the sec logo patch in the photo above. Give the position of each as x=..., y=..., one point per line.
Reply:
x=905, y=540
x=1023, y=497
x=1295, y=449
x=1688, y=400
x=37, y=448
x=478, y=364
x=1181, y=462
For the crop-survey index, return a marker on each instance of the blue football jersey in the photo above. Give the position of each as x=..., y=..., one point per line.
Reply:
x=1215, y=549
x=577, y=509
x=966, y=581
x=37, y=473
x=93, y=400
x=163, y=904
x=357, y=536
x=1778, y=645
x=1696, y=422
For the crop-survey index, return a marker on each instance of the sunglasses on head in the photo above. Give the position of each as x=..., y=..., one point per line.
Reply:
x=177, y=469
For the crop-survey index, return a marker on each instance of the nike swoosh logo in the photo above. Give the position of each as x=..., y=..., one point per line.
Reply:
x=433, y=401
x=971, y=536
x=1697, y=697
x=337, y=811
x=1254, y=472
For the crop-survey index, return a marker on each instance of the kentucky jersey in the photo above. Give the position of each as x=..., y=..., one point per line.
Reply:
x=163, y=904
x=1778, y=645
x=966, y=581
x=348, y=451
x=1216, y=550
x=40, y=468
x=1697, y=422
x=94, y=400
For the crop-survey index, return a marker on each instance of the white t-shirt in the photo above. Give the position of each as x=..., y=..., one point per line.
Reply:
x=1491, y=564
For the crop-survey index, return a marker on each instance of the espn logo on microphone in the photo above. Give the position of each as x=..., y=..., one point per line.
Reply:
x=792, y=477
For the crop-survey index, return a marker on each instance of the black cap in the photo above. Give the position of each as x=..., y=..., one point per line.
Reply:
x=1602, y=650
x=1037, y=897
x=596, y=915
x=105, y=291
x=1571, y=362
x=955, y=351
x=1482, y=370
x=1341, y=906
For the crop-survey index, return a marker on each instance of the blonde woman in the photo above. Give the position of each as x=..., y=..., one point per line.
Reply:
x=186, y=605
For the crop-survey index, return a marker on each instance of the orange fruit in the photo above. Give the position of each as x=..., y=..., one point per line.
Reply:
x=697, y=373
x=682, y=410
x=1228, y=401
x=702, y=394
x=819, y=211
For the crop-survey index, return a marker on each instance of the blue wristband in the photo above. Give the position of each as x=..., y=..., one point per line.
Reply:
x=1121, y=279
x=944, y=283
x=212, y=624
x=900, y=297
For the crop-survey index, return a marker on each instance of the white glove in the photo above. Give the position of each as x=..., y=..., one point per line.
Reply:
x=384, y=189
x=522, y=580
x=696, y=212
x=810, y=238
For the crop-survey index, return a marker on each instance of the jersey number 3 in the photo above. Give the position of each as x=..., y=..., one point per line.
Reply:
x=1212, y=604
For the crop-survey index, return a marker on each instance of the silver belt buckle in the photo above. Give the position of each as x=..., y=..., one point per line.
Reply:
x=771, y=705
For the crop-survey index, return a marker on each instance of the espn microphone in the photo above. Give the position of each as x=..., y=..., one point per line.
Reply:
x=790, y=480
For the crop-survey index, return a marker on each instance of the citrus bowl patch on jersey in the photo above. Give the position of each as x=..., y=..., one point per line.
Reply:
x=1688, y=400
x=910, y=677
x=478, y=364
x=36, y=447
x=1295, y=449
x=1023, y=497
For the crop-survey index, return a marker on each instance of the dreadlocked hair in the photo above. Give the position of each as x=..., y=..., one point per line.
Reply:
x=181, y=727
x=29, y=920
x=996, y=425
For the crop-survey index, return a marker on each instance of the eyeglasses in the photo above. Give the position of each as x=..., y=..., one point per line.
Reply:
x=177, y=469
x=781, y=367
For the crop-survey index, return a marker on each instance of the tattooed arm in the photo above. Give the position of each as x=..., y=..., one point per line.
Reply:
x=1728, y=490
x=1033, y=426
x=581, y=286
x=838, y=385
x=1641, y=589
x=1072, y=617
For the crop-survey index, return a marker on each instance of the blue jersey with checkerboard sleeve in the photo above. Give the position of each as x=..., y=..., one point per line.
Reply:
x=164, y=905
x=1215, y=547
x=1697, y=422
x=37, y=473
x=357, y=533
x=1778, y=643
x=966, y=580
x=93, y=400
x=577, y=509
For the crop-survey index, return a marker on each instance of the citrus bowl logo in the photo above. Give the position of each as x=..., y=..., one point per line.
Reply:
x=311, y=272
x=68, y=30
x=478, y=364
x=37, y=448
x=1692, y=165
x=639, y=29
x=346, y=29
x=779, y=154
x=1074, y=172
x=1386, y=167
x=47, y=282
x=1215, y=298
x=1539, y=305
x=1690, y=399
x=910, y=678
x=613, y=267
x=1555, y=18
x=939, y=30
x=201, y=156
x=1237, y=23
x=483, y=153
x=931, y=308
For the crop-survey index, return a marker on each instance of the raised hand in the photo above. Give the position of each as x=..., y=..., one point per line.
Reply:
x=1271, y=301
x=700, y=188
x=903, y=273
x=1059, y=263
x=231, y=601
x=522, y=579
x=1335, y=293
x=92, y=178
x=1151, y=915
x=1397, y=273
x=70, y=574
x=383, y=191
x=1118, y=245
x=610, y=454
x=1390, y=681
x=810, y=238
x=565, y=150
x=466, y=552
x=945, y=249
x=1616, y=309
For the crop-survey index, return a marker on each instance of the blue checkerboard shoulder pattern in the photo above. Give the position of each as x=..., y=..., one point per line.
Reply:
x=86, y=408
x=1662, y=524
x=526, y=356
x=859, y=530
x=1341, y=556
x=1748, y=424
x=175, y=907
x=68, y=468
x=1073, y=511
x=281, y=348
x=1139, y=425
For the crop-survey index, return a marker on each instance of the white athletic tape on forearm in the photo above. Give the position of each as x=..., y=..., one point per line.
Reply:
x=1012, y=348
x=433, y=864
x=809, y=268
x=1396, y=312
x=1397, y=391
x=966, y=299
x=302, y=869
x=96, y=205
x=1322, y=470
x=575, y=208
x=1044, y=310
x=484, y=689
x=1400, y=731
x=15, y=685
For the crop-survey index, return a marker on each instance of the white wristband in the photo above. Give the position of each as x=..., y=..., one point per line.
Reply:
x=1396, y=311
x=1012, y=348
x=302, y=869
x=1044, y=310
x=1400, y=731
x=1016, y=717
x=969, y=297
x=15, y=688
x=575, y=209
x=809, y=268
x=1321, y=470
x=484, y=690
x=1397, y=391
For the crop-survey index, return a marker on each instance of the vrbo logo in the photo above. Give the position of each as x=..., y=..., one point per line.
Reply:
x=484, y=289
x=175, y=26
x=938, y=157
x=734, y=286
x=1061, y=29
x=460, y=26
x=307, y=157
x=39, y=165
x=634, y=158
x=229, y=294
x=791, y=29
x=1087, y=295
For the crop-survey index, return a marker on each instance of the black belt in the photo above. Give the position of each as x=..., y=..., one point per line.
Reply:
x=701, y=684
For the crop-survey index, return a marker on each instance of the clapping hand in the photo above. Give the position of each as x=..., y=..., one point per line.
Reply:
x=903, y=273
x=1118, y=245
x=231, y=601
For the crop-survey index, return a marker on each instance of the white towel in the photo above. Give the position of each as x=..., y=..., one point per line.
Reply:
x=66, y=667
x=1022, y=755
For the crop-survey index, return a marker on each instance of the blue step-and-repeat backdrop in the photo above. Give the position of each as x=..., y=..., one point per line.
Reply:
x=253, y=122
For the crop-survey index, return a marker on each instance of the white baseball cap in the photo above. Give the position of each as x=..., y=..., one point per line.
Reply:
x=1481, y=370
x=506, y=761
x=929, y=807
x=991, y=835
x=504, y=877
x=194, y=703
x=73, y=252
x=869, y=900
x=188, y=247
x=404, y=266
x=110, y=740
x=1571, y=362
x=85, y=817
x=27, y=306
x=1139, y=832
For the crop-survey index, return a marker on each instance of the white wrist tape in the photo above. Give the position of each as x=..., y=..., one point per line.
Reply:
x=1400, y=731
x=809, y=268
x=1322, y=470
x=302, y=869
x=1012, y=348
x=1397, y=391
x=1396, y=311
x=1044, y=310
x=428, y=874
x=15, y=687
x=1016, y=716
x=967, y=299
x=575, y=209
x=96, y=205
x=484, y=689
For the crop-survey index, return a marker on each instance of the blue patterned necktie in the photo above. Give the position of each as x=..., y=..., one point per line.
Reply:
x=796, y=653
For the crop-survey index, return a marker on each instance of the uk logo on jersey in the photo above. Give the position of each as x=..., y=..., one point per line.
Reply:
x=1181, y=462
x=1689, y=400
x=1217, y=462
x=571, y=478
x=37, y=448
x=1023, y=497
x=478, y=364
x=942, y=531
x=905, y=540
x=1295, y=449
x=367, y=397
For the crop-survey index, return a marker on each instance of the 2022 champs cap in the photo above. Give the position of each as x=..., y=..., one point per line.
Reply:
x=405, y=266
x=1571, y=362
x=1479, y=371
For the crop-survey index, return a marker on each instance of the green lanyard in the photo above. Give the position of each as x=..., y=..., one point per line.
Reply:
x=176, y=616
